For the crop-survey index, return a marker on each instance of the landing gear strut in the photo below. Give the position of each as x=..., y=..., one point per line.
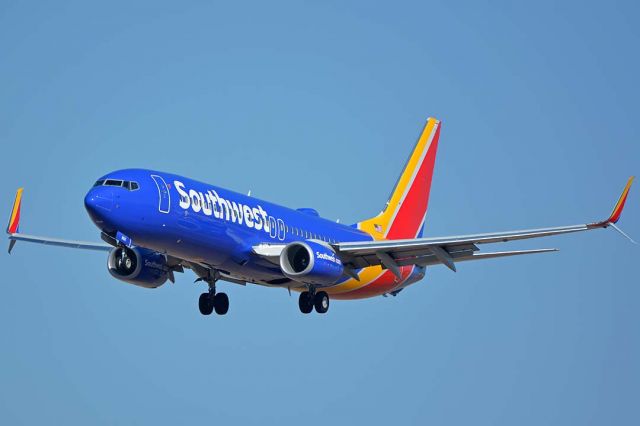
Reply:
x=210, y=301
x=310, y=299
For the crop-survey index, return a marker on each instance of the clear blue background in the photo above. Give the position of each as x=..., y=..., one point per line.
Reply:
x=317, y=104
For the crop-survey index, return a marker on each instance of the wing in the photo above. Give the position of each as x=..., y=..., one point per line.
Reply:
x=448, y=250
x=57, y=242
x=15, y=235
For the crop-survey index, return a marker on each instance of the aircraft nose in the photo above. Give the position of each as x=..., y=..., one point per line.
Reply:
x=98, y=202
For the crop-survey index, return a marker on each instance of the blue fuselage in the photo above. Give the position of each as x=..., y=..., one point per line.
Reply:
x=204, y=223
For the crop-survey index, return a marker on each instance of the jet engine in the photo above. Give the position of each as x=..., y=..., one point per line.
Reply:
x=138, y=266
x=311, y=263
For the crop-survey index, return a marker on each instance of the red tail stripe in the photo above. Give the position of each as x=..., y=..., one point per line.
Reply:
x=409, y=218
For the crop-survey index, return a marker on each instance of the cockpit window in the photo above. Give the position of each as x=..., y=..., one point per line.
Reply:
x=129, y=185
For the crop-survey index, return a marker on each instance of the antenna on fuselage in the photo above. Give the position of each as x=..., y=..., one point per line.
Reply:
x=249, y=193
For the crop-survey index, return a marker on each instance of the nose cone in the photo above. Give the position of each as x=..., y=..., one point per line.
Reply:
x=99, y=203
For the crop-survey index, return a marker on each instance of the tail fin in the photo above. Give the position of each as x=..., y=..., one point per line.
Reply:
x=14, y=219
x=403, y=216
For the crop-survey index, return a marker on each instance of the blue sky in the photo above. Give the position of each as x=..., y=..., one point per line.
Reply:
x=318, y=104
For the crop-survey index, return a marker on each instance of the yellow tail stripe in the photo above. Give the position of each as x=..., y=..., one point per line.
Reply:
x=383, y=219
x=16, y=209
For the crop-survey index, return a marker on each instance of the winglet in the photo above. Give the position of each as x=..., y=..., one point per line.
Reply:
x=617, y=210
x=14, y=219
x=615, y=214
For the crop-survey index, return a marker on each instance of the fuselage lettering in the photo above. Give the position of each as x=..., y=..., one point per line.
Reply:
x=210, y=203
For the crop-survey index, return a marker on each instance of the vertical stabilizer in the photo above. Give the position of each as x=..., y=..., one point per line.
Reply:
x=404, y=213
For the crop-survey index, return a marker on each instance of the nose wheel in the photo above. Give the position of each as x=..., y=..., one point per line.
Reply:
x=210, y=301
x=311, y=299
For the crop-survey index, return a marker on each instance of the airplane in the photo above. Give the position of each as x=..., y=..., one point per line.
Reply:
x=154, y=224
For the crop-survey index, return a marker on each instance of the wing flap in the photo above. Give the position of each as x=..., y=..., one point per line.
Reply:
x=456, y=242
x=429, y=260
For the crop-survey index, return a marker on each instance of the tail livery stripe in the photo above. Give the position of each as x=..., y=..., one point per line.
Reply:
x=407, y=220
x=14, y=219
x=384, y=283
x=404, y=213
x=617, y=210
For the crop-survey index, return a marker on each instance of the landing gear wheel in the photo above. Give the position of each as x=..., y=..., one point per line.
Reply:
x=205, y=303
x=221, y=303
x=305, y=302
x=321, y=302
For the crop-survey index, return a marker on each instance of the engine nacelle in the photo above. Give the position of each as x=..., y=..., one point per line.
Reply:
x=138, y=266
x=311, y=263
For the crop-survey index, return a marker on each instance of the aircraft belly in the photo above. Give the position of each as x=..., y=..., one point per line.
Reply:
x=375, y=281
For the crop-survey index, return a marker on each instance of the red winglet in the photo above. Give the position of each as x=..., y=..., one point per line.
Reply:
x=14, y=219
x=617, y=210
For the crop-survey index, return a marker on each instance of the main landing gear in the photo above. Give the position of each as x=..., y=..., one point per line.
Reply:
x=312, y=299
x=210, y=301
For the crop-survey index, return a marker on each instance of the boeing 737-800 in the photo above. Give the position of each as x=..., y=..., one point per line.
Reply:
x=154, y=224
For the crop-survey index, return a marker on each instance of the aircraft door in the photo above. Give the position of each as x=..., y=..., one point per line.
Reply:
x=281, y=230
x=273, y=230
x=164, y=203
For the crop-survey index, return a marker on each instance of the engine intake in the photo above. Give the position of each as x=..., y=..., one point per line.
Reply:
x=312, y=263
x=138, y=266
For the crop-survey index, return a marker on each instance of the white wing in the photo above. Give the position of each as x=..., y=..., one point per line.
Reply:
x=448, y=250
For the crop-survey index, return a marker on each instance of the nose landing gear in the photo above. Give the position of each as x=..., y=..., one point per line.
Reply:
x=312, y=299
